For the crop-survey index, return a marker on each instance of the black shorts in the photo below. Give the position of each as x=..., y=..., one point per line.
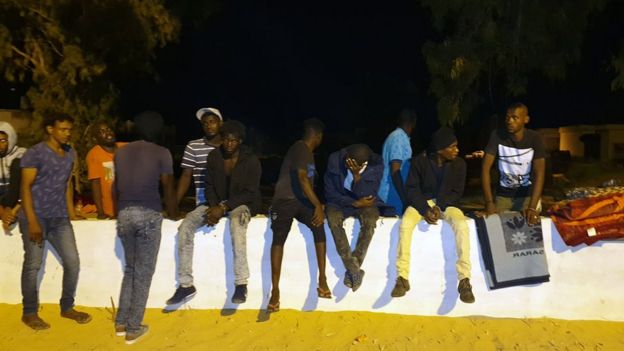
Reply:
x=282, y=214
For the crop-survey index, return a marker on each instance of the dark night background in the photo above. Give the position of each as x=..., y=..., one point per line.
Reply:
x=273, y=64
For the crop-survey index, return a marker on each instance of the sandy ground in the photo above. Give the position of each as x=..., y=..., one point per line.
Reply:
x=294, y=330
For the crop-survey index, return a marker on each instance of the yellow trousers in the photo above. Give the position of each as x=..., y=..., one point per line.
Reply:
x=455, y=217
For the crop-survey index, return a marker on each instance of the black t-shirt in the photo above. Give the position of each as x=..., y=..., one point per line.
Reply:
x=515, y=160
x=288, y=187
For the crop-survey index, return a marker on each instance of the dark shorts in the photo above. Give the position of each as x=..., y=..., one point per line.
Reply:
x=282, y=214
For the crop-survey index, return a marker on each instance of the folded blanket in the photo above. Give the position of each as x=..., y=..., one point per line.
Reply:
x=512, y=250
x=590, y=219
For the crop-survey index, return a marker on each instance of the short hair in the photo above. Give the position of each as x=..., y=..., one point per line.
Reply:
x=50, y=119
x=407, y=116
x=233, y=127
x=312, y=126
x=516, y=105
x=359, y=152
x=149, y=125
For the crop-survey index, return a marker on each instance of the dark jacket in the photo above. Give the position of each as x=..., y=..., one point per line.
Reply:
x=335, y=193
x=244, y=180
x=422, y=184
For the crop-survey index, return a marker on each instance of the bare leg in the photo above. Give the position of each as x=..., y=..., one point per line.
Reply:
x=321, y=250
x=277, y=251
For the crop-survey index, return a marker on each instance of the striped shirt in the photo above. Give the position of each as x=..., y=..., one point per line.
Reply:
x=195, y=155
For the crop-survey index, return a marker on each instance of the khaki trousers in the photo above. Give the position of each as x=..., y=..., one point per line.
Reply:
x=455, y=217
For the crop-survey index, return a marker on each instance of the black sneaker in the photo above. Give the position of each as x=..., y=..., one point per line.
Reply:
x=182, y=294
x=357, y=280
x=240, y=294
x=465, y=291
x=400, y=288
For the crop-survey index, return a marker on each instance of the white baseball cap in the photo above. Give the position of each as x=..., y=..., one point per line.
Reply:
x=208, y=110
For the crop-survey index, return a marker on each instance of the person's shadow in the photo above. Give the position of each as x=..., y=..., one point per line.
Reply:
x=265, y=271
x=311, y=301
x=447, y=238
x=391, y=272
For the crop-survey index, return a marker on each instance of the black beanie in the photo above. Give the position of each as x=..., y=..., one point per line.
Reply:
x=441, y=139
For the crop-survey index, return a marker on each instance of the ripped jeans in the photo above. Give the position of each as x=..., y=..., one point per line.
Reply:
x=239, y=219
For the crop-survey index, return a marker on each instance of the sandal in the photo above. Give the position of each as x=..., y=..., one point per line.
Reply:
x=324, y=293
x=273, y=307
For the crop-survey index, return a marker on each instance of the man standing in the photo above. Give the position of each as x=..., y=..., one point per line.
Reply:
x=351, y=185
x=101, y=169
x=396, y=153
x=48, y=207
x=140, y=167
x=434, y=186
x=521, y=163
x=194, y=166
x=10, y=155
x=233, y=188
x=294, y=198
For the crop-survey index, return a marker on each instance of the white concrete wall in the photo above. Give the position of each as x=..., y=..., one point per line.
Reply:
x=586, y=282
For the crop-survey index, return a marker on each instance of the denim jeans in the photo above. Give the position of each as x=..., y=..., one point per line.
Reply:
x=239, y=220
x=186, y=236
x=368, y=221
x=139, y=230
x=59, y=233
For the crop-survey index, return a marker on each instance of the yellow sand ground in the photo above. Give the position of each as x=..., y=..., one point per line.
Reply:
x=294, y=330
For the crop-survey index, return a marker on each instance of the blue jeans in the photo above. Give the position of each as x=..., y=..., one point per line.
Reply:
x=59, y=233
x=239, y=220
x=186, y=237
x=139, y=230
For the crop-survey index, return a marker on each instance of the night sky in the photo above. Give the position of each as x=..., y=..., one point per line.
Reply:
x=355, y=67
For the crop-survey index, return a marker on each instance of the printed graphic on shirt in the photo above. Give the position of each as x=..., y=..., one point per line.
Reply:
x=109, y=170
x=514, y=166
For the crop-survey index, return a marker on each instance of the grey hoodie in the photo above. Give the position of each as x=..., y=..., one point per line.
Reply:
x=13, y=152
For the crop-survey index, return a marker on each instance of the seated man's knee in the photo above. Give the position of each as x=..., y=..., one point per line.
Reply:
x=369, y=216
x=335, y=217
x=453, y=212
x=241, y=215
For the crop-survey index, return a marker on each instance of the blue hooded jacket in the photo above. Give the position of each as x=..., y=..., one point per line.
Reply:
x=338, y=196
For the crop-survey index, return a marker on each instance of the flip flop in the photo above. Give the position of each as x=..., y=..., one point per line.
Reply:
x=273, y=307
x=324, y=294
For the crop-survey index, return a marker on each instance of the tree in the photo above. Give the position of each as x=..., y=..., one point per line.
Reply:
x=489, y=48
x=71, y=53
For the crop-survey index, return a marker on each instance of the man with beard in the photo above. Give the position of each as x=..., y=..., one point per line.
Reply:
x=101, y=169
x=194, y=166
x=521, y=163
x=233, y=189
x=48, y=208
